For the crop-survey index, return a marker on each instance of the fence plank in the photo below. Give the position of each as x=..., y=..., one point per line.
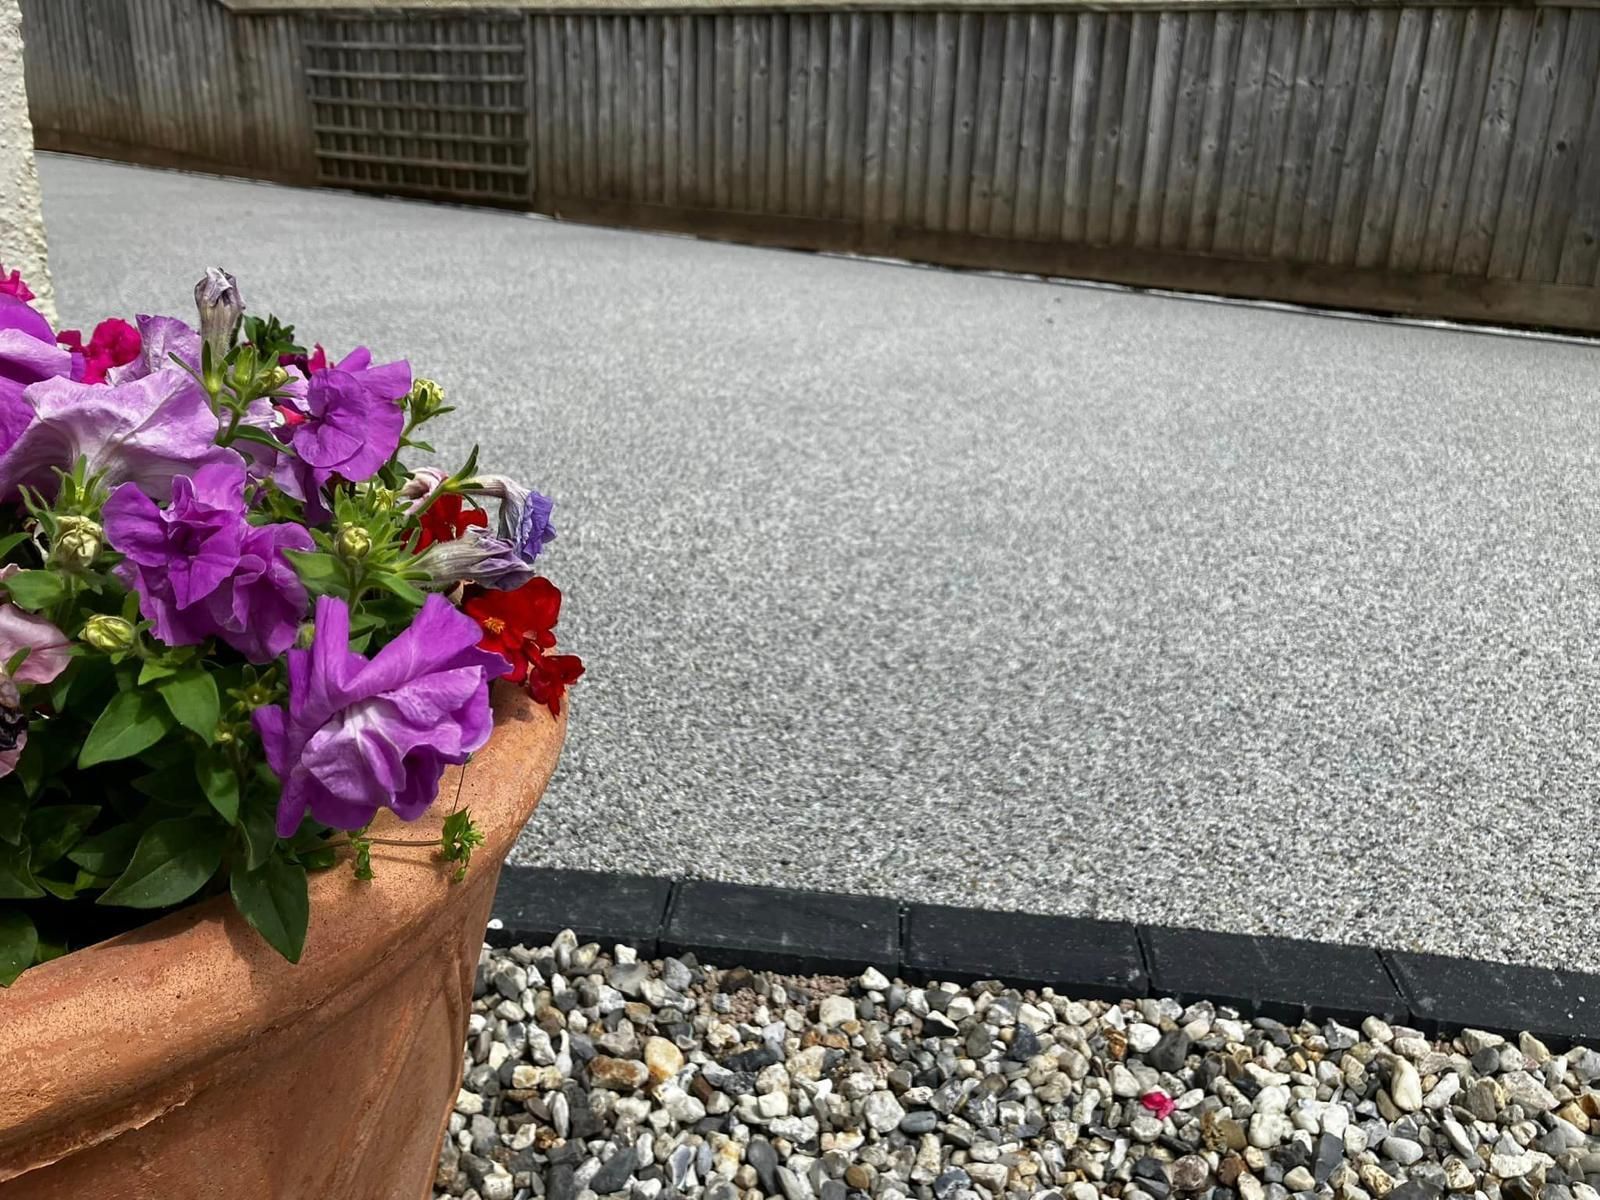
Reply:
x=986, y=121
x=758, y=110
x=941, y=120
x=1272, y=130
x=836, y=138
x=1058, y=111
x=1338, y=97
x=1426, y=138
x=739, y=55
x=816, y=123
x=1225, y=40
x=1188, y=127
x=1493, y=152
x=1386, y=177
x=1030, y=135
x=1361, y=138
x=897, y=118
x=1581, y=252
x=856, y=105
x=878, y=34
x=1552, y=210
x=1086, y=55
x=1534, y=108
x=1013, y=84
x=1158, y=127
x=1460, y=138
x=1108, y=125
x=1133, y=125
x=1300, y=141
x=1244, y=113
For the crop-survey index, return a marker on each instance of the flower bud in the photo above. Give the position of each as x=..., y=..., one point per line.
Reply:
x=352, y=543
x=426, y=399
x=274, y=378
x=217, y=298
x=76, y=544
x=107, y=633
x=305, y=635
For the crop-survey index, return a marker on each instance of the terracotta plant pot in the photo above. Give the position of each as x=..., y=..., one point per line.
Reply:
x=186, y=1060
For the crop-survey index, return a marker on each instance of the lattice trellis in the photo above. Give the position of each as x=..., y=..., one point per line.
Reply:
x=435, y=107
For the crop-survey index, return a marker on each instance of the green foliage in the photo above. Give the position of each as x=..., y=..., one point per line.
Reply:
x=461, y=838
x=19, y=943
x=173, y=860
x=131, y=722
x=273, y=898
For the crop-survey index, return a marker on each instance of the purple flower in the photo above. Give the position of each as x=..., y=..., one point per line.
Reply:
x=28, y=354
x=359, y=735
x=348, y=425
x=144, y=432
x=49, y=652
x=159, y=339
x=524, y=514
x=201, y=570
x=476, y=556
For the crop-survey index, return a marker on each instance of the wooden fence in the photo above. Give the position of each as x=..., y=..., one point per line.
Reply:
x=1426, y=159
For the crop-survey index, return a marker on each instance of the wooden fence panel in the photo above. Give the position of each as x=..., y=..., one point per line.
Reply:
x=1424, y=157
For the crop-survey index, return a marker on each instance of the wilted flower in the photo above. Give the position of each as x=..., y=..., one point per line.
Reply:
x=524, y=513
x=358, y=735
x=475, y=557
x=217, y=297
x=49, y=652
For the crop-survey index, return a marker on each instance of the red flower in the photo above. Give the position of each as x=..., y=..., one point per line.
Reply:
x=115, y=343
x=12, y=285
x=447, y=518
x=519, y=625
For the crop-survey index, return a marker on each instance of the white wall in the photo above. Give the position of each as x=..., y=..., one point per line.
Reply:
x=22, y=241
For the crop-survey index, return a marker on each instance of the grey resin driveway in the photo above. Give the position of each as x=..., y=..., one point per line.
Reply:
x=987, y=591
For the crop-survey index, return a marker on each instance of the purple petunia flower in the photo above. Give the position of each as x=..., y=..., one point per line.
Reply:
x=28, y=354
x=348, y=425
x=159, y=339
x=144, y=432
x=201, y=570
x=359, y=735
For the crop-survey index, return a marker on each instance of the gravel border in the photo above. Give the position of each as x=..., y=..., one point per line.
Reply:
x=591, y=1075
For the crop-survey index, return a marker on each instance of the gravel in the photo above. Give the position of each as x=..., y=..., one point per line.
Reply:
x=743, y=1086
x=981, y=591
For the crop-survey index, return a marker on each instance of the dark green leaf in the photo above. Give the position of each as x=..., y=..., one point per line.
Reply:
x=16, y=880
x=220, y=782
x=10, y=542
x=34, y=590
x=249, y=433
x=54, y=830
x=13, y=811
x=107, y=853
x=173, y=861
x=90, y=681
x=191, y=694
x=273, y=898
x=30, y=766
x=320, y=859
x=319, y=571
x=19, y=942
x=14, y=663
x=132, y=722
x=167, y=782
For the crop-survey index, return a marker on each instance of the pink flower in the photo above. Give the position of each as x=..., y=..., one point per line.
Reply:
x=49, y=652
x=1159, y=1103
x=12, y=285
x=115, y=344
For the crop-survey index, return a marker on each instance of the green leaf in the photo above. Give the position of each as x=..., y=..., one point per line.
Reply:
x=166, y=782
x=273, y=898
x=394, y=584
x=54, y=830
x=87, y=683
x=191, y=694
x=81, y=881
x=10, y=542
x=132, y=722
x=19, y=942
x=173, y=861
x=318, y=570
x=16, y=880
x=249, y=433
x=108, y=852
x=34, y=590
x=30, y=767
x=220, y=782
x=258, y=824
x=154, y=669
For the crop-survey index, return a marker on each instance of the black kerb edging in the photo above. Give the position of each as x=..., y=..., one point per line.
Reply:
x=801, y=932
